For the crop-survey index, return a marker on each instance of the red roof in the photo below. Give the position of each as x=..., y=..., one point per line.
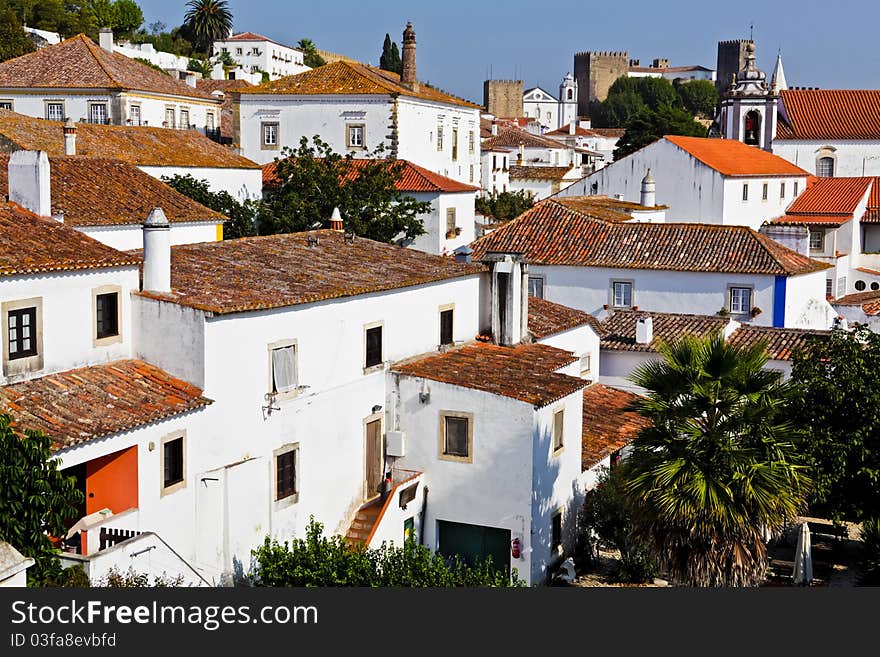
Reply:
x=731, y=157
x=79, y=405
x=413, y=179
x=827, y=201
x=547, y=318
x=579, y=131
x=607, y=426
x=830, y=114
x=869, y=301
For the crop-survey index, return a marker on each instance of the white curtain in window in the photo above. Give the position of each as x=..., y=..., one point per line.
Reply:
x=284, y=368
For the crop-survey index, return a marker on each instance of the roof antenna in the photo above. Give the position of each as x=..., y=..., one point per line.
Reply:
x=752, y=31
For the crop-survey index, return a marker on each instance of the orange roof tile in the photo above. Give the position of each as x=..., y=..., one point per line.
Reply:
x=30, y=245
x=550, y=233
x=102, y=192
x=413, y=177
x=513, y=137
x=80, y=63
x=547, y=318
x=139, y=145
x=345, y=78
x=731, y=157
x=525, y=372
x=782, y=343
x=538, y=172
x=605, y=207
x=273, y=271
x=79, y=405
x=831, y=196
x=607, y=424
x=620, y=328
x=869, y=301
x=253, y=36
x=829, y=114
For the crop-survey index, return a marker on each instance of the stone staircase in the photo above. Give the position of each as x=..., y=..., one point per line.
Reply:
x=363, y=523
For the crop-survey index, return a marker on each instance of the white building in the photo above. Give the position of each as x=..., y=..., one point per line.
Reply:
x=256, y=54
x=710, y=181
x=542, y=181
x=599, y=142
x=551, y=112
x=80, y=80
x=660, y=68
x=155, y=151
x=587, y=262
x=13, y=566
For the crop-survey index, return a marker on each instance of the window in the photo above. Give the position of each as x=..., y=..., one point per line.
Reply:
x=98, y=113
x=238, y=51
x=209, y=120
x=781, y=190
x=752, y=128
x=450, y=222
x=472, y=173
x=184, y=119
x=173, y=463
x=285, y=473
x=764, y=191
x=841, y=286
x=795, y=188
x=586, y=366
x=169, y=117
x=536, y=286
x=6, y=104
x=556, y=532
x=740, y=300
x=284, y=374
x=454, y=144
x=355, y=137
x=829, y=287
x=270, y=136
x=825, y=167
x=107, y=315
x=134, y=114
x=875, y=286
x=456, y=436
x=558, y=429
x=446, y=326
x=55, y=111
x=621, y=294
x=817, y=240
x=860, y=286
x=22, y=332
x=745, y=191
x=439, y=137
x=373, y=338
x=471, y=142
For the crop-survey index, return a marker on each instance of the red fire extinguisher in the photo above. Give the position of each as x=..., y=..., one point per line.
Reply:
x=515, y=548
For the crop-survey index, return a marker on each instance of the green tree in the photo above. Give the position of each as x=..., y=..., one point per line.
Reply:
x=242, y=215
x=839, y=405
x=128, y=17
x=311, y=58
x=317, y=560
x=390, y=58
x=13, y=40
x=313, y=180
x=698, y=97
x=718, y=465
x=618, y=110
x=202, y=66
x=504, y=206
x=36, y=499
x=207, y=21
x=649, y=125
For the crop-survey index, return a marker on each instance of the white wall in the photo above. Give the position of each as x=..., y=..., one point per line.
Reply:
x=805, y=304
x=582, y=341
x=242, y=184
x=131, y=236
x=755, y=211
x=854, y=157
x=617, y=365
x=497, y=179
x=183, y=356
x=434, y=240
x=389, y=529
x=68, y=320
x=276, y=60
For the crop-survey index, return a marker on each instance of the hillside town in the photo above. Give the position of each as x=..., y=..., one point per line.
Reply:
x=248, y=288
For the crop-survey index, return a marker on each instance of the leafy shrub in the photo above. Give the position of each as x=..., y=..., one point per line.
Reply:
x=116, y=578
x=870, y=566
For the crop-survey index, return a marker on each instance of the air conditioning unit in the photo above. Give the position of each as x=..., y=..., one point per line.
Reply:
x=395, y=443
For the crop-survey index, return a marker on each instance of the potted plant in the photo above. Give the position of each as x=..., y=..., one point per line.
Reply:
x=723, y=312
x=756, y=311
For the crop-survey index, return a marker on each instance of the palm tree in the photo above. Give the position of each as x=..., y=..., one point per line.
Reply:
x=207, y=21
x=717, y=468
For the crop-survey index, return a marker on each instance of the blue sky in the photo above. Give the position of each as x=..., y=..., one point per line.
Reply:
x=823, y=44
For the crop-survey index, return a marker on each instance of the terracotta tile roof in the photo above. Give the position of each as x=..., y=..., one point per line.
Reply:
x=872, y=213
x=253, y=36
x=579, y=131
x=869, y=301
x=525, y=372
x=826, y=201
x=829, y=114
x=872, y=272
x=538, y=172
x=79, y=405
x=139, y=145
x=731, y=157
x=620, y=329
x=782, y=343
x=550, y=233
x=30, y=245
x=512, y=137
x=274, y=271
x=604, y=207
x=413, y=179
x=547, y=318
x=812, y=219
x=345, y=77
x=607, y=425
x=79, y=63
x=224, y=86
x=614, y=133
x=101, y=192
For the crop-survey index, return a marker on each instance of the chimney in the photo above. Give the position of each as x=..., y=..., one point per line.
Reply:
x=463, y=254
x=69, y=137
x=336, y=221
x=29, y=183
x=157, y=252
x=509, y=294
x=408, y=76
x=520, y=154
x=494, y=128
x=644, y=330
x=572, y=127
x=649, y=190
x=105, y=39
x=191, y=79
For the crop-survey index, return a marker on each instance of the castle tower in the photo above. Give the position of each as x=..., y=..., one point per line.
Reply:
x=748, y=106
x=731, y=59
x=568, y=94
x=594, y=73
x=503, y=98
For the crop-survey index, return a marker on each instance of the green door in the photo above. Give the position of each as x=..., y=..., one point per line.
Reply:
x=472, y=542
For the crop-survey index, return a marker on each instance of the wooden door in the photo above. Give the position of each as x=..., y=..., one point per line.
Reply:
x=373, y=453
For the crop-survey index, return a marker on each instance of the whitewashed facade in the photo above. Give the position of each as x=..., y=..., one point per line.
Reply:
x=256, y=54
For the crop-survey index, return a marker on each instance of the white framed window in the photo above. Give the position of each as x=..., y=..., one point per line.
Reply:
x=621, y=294
x=536, y=286
x=829, y=287
x=170, y=115
x=286, y=475
x=782, y=190
x=134, y=114
x=586, y=366
x=817, y=240
x=184, y=119
x=209, y=120
x=22, y=336
x=98, y=113
x=450, y=222
x=6, y=104
x=745, y=191
x=471, y=142
x=440, y=137
x=765, y=190
x=355, y=135
x=55, y=111
x=374, y=348
x=173, y=462
x=270, y=136
x=456, y=436
x=825, y=167
x=740, y=300
x=795, y=188
x=841, y=286
x=107, y=315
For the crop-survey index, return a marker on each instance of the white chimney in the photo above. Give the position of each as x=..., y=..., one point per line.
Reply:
x=157, y=252
x=494, y=128
x=105, y=39
x=191, y=78
x=644, y=330
x=619, y=197
x=69, y=137
x=649, y=190
x=336, y=220
x=572, y=127
x=29, y=184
